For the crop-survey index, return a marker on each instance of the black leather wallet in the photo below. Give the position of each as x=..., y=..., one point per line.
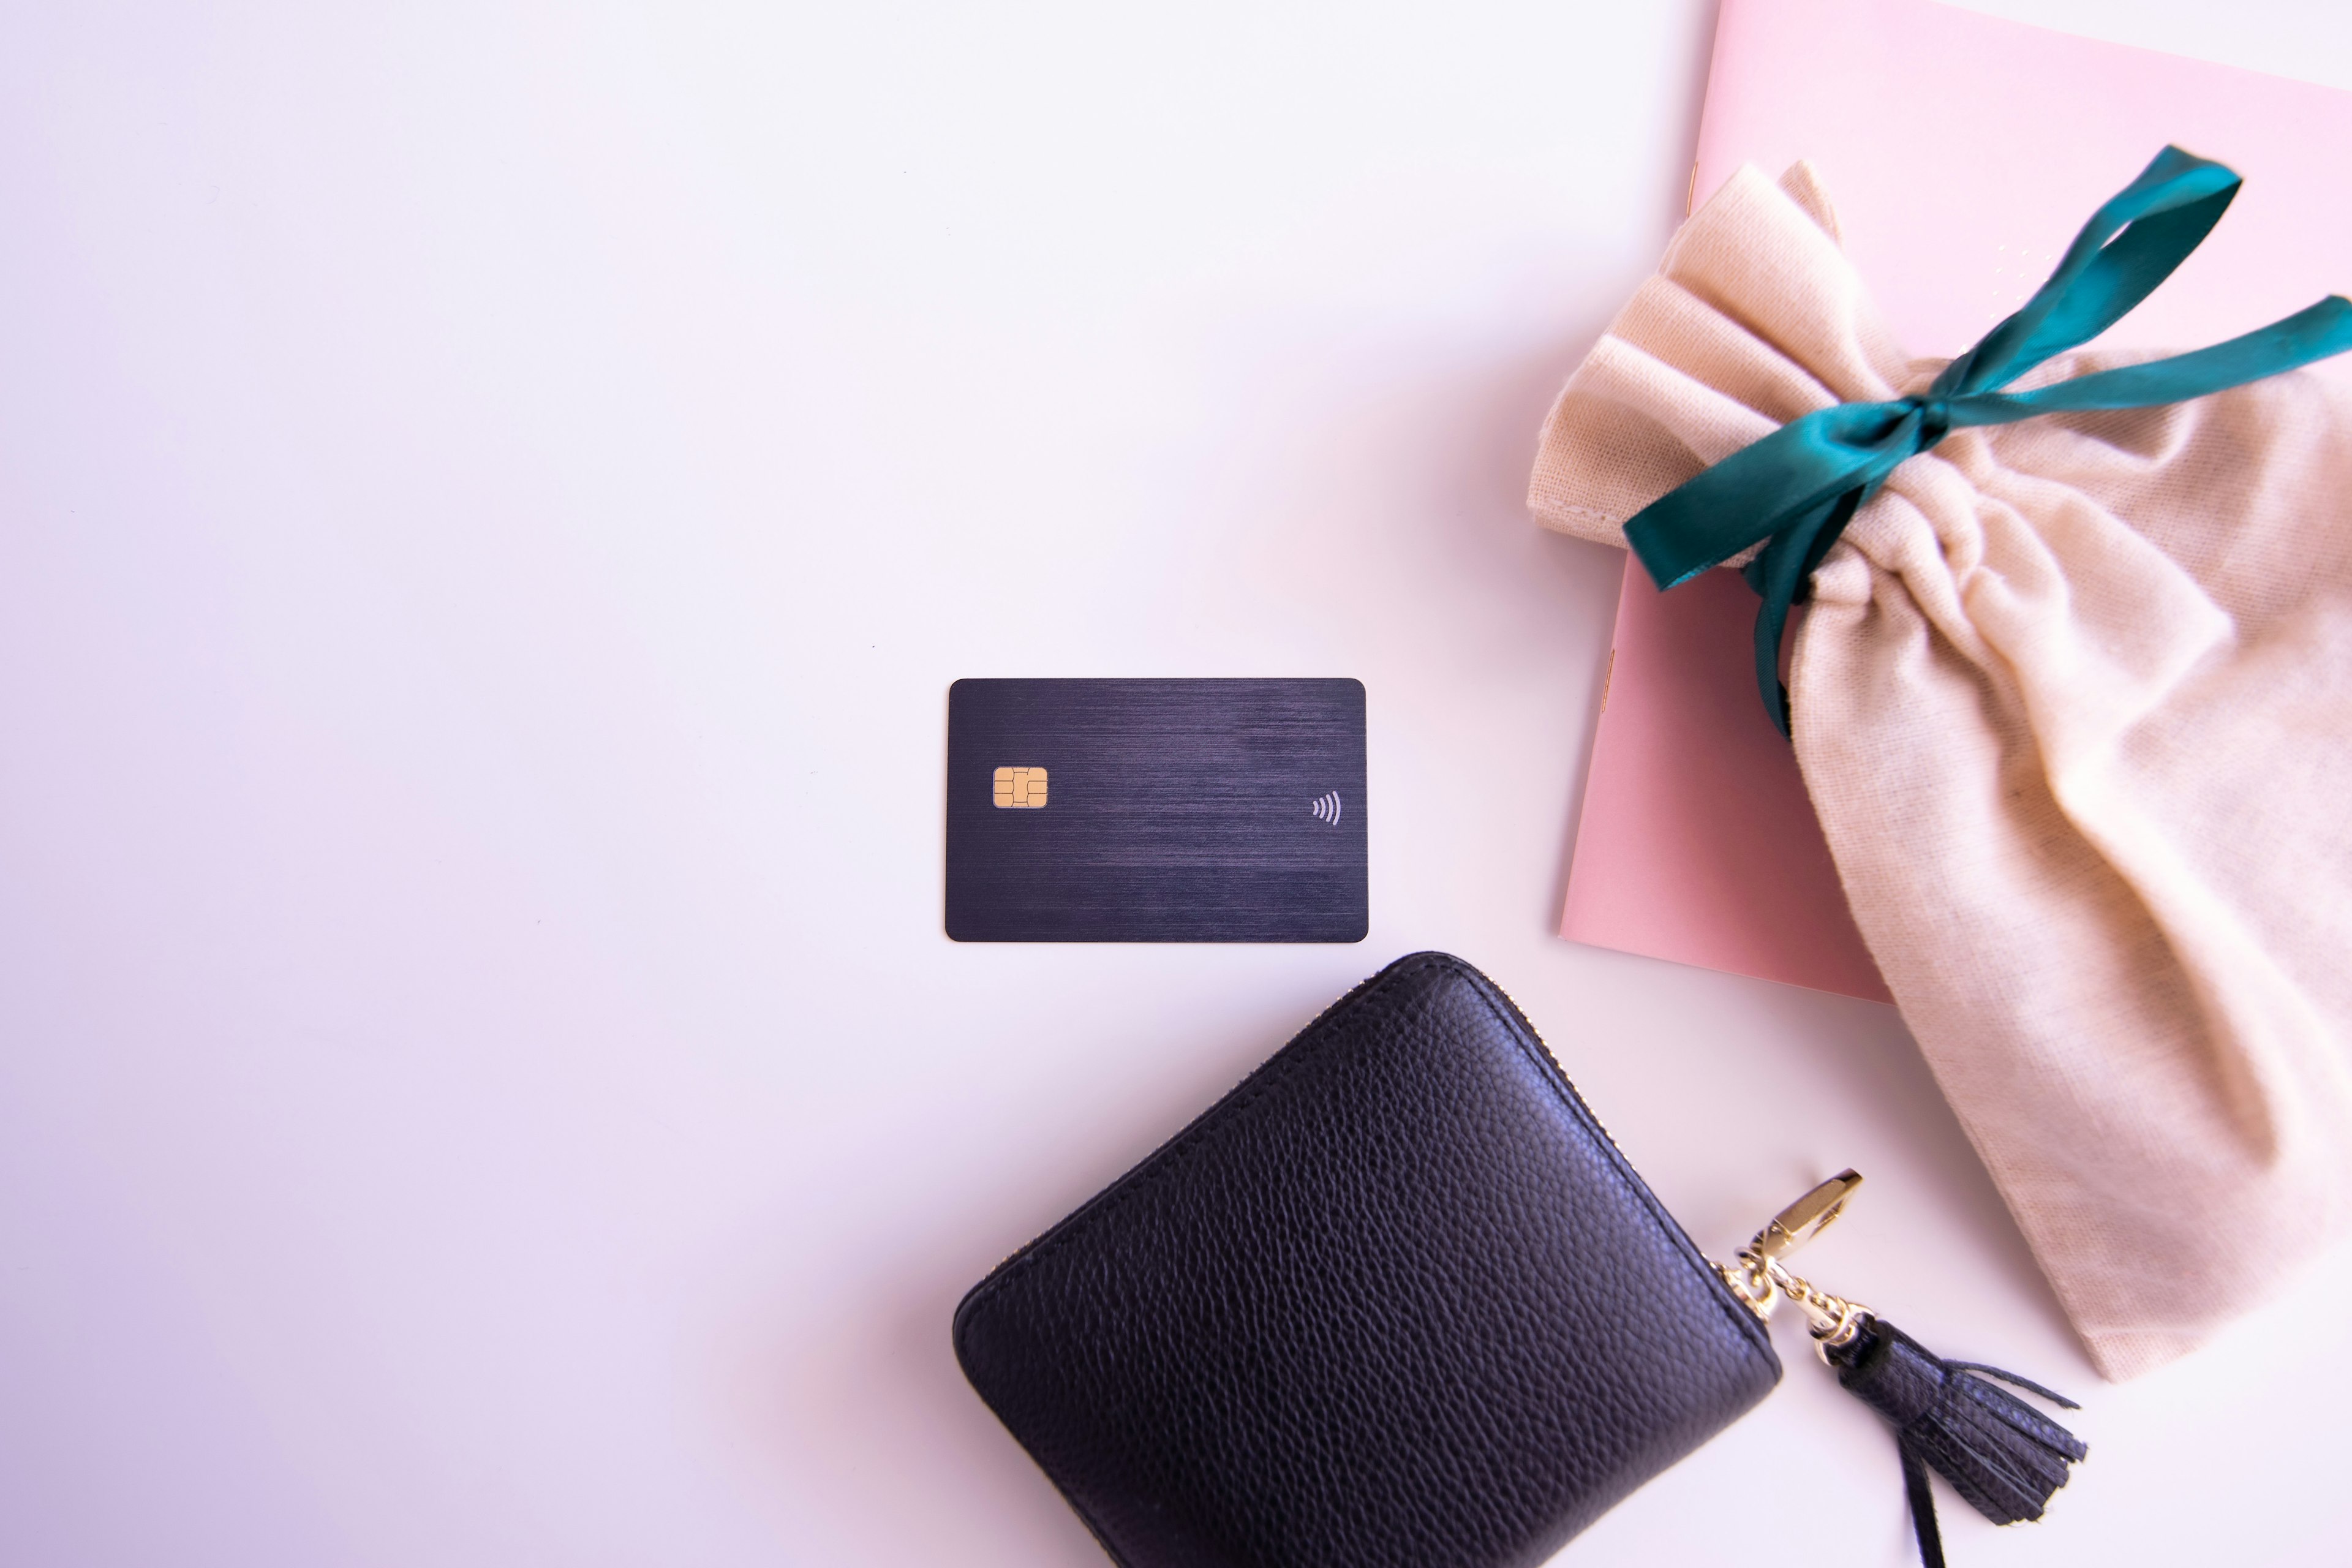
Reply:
x=1396, y=1300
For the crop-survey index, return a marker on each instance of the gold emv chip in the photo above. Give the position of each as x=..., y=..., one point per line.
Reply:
x=1019, y=789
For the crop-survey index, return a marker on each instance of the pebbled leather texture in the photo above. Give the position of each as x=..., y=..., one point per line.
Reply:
x=1396, y=1300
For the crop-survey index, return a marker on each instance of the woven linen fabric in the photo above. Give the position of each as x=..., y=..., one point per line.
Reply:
x=2074, y=703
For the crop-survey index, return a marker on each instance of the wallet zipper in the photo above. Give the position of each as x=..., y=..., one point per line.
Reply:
x=1723, y=1276
x=1733, y=1282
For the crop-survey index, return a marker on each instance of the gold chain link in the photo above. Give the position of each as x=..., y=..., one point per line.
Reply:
x=1760, y=1278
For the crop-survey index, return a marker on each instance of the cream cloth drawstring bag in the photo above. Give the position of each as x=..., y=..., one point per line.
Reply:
x=2073, y=703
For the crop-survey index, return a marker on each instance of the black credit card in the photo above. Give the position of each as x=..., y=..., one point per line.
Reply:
x=1156, y=811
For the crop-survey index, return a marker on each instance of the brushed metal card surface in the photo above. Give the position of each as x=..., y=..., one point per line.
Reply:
x=1178, y=811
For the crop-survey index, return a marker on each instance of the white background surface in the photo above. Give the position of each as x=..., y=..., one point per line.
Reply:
x=491, y=500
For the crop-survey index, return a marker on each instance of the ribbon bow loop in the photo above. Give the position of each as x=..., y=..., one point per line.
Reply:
x=1795, y=491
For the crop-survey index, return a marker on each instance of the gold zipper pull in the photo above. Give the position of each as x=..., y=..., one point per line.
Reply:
x=1806, y=1218
x=1970, y=1430
x=1761, y=1279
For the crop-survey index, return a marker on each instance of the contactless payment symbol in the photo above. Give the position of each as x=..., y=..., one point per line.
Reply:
x=1019, y=789
x=1327, y=808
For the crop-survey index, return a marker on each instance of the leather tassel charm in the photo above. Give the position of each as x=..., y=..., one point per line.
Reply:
x=1998, y=1452
x=1951, y=1416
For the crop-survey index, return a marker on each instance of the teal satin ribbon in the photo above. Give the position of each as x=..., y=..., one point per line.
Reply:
x=1798, y=487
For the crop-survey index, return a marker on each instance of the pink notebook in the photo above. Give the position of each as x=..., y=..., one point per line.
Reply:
x=1963, y=152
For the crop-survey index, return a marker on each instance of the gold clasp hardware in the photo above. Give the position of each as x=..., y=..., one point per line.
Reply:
x=1806, y=1218
x=1760, y=1280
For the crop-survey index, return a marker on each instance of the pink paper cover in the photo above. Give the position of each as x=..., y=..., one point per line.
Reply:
x=1963, y=151
x=1694, y=810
